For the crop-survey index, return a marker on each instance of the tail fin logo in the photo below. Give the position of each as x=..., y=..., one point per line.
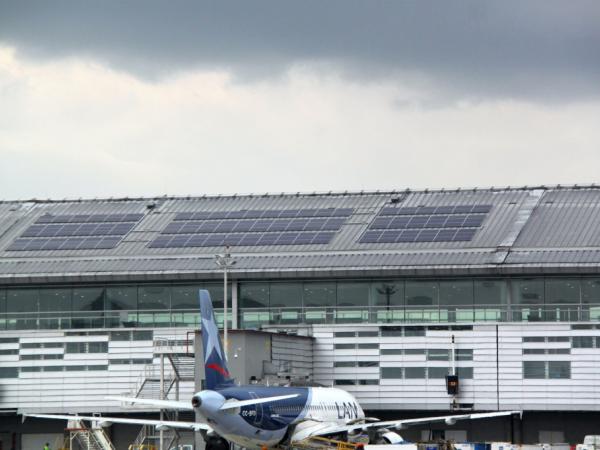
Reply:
x=216, y=373
x=212, y=336
x=212, y=345
x=219, y=369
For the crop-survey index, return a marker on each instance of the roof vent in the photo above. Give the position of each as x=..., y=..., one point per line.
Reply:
x=395, y=200
x=151, y=206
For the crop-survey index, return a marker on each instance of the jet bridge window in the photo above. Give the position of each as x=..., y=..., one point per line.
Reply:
x=391, y=351
x=9, y=372
x=10, y=351
x=392, y=372
x=87, y=347
x=463, y=354
x=583, y=342
x=438, y=355
x=368, y=364
x=368, y=346
x=345, y=346
x=546, y=369
x=344, y=364
x=368, y=334
x=414, y=372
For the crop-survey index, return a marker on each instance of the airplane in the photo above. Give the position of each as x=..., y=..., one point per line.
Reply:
x=263, y=417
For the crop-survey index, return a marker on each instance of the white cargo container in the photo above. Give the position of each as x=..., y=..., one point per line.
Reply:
x=464, y=446
x=561, y=446
x=535, y=447
x=592, y=439
x=590, y=442
x=406, y=446
x=503, y=446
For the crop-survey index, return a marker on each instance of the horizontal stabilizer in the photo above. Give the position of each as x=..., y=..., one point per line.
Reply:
x=231, y=404
x=162, y=404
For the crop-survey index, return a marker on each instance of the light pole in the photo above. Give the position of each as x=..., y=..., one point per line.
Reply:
x=225, y=261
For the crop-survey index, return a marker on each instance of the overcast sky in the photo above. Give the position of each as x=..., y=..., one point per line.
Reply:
x=143, y=98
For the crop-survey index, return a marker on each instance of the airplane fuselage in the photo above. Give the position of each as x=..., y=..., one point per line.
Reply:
x=267, y=424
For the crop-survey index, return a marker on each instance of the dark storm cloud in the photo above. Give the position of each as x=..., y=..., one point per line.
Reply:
x=546, y=49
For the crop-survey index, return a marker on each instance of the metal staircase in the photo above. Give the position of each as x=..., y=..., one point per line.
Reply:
x=180, y=355
x=161, y=383
x=85, y=438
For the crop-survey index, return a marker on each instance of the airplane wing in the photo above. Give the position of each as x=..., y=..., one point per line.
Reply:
x=399, y=424
x=163, y=404
x=194, y=426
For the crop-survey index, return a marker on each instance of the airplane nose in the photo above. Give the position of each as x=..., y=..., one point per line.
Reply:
x=196, y=401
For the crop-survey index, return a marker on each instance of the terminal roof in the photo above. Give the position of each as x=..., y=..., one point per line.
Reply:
x=397, y=233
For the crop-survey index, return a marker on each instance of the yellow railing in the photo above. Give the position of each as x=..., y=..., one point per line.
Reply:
x=325, y=442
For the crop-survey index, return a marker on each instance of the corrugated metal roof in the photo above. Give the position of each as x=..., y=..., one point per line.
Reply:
x=565, y=219
x=560, y=228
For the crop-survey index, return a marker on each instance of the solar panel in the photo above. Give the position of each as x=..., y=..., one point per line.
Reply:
x=232, y=239
x=18, y=245
x=160, y=242
x=108, y=242
x=406, y=236
x=481, y=208
x=72, y=244
x=322, y=238
x=55, y=232
x=445, y=235
x=36, y=244
x=249, y=240
x=268, y=239
x=54, y=244
x=261, y=225
x=440, y=223
x=193, y=241
x=427, y=235
x=464, y=235
x=253, y=227
x=444, y=210
x=436, y=221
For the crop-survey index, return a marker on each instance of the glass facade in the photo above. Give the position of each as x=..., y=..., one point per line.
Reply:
x=111, y=306
x=292, y=302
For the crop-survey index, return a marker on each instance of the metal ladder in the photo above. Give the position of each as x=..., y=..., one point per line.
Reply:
x=93, y=438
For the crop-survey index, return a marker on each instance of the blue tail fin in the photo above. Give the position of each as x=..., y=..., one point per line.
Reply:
x=216, y=373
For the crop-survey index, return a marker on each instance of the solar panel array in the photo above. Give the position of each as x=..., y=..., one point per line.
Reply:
x=448, y=223
x=253, y=227
x=76, y=232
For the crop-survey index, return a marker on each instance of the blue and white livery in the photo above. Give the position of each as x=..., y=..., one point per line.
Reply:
x=257, y=417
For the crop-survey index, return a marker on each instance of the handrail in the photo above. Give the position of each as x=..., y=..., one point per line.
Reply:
x=252, y=317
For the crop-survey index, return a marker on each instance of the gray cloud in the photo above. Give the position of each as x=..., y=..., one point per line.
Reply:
x=539, y=49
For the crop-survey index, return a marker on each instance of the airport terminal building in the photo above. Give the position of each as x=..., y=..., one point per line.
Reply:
x=387, y=293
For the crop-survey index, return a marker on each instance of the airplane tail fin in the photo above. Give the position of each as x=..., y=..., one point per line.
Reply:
x=216, y=373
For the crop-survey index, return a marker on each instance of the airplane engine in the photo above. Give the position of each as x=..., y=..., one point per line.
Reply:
x=390, y=437
x=308, y=428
